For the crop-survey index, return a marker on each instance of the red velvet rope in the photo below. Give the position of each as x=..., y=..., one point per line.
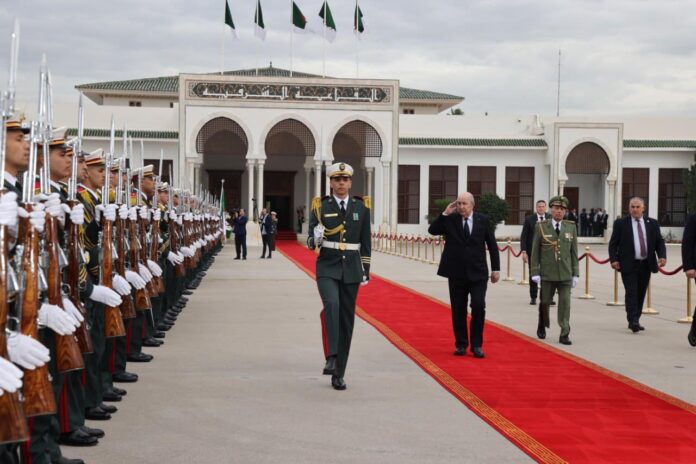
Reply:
x=670, y=273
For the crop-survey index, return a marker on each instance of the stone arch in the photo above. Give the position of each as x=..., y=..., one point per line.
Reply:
x=290, y=137
x=275, y=121
x=357, y=138
x=611, y=156
x=587, y=158
x=221, y=136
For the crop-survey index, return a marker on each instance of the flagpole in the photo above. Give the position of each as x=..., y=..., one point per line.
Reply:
x=256, y=24
x=323, y=67
x=356, y=30
x=292, y=35
x=222, y=54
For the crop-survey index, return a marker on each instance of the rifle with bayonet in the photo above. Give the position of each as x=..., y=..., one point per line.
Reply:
x=155, y=228
x=179, y=270
x=127, y=305
x=142, y=297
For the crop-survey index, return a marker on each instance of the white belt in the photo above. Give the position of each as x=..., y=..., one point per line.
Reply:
x=341, y=245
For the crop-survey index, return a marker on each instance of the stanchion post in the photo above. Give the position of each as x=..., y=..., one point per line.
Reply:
x=509, y=262
x=648, y=307
x=689, y=317
x=587, y=295
x=432, y=243
x=524, y=280
x=616, y=301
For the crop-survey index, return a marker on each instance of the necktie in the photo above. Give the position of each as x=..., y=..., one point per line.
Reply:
x=558, y=229
x=541, y=218
x=467, y=232
x=343, y=207
x=641, y=239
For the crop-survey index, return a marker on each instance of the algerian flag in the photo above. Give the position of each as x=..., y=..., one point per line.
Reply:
x=260, y=29
x=299, y=21
x=228, y=19
x=328, y=22
x=358, y=24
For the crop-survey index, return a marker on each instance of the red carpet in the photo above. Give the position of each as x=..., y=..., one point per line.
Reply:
x=554, y=406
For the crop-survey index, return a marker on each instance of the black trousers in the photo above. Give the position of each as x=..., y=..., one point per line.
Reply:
x=636, y=285
x=533, y=287
x=339, y=318
x=266, y=239
x=460, y=290
x=240, y=245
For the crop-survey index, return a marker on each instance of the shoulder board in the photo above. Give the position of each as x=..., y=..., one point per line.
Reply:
x=326, y=197
x=569, y=221
x=357, y=197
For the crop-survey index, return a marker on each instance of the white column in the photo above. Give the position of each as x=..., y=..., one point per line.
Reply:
x=250, y=185
x=386, y=166
x=370, y=171
x=317, y=178
x=308, y=186
x=259, y=185
x=561, y=186
x=611, y=210
x=327, y=190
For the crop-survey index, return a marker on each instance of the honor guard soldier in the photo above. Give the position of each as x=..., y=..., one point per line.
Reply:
x=555, y=264
x=340, y=226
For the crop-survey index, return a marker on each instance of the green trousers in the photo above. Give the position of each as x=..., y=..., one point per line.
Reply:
x=548, y=288
x=339, y=318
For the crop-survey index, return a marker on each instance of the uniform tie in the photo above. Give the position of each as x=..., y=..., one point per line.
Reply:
x=541, y=218
x=467, y=232
x=343, y=207
x=558, y=229
x=641, y=239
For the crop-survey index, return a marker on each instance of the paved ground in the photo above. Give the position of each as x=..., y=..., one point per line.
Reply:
x=238, y=379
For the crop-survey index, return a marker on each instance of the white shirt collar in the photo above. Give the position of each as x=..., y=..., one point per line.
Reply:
x=554, y=222
x=10, y=178
x=339, y=200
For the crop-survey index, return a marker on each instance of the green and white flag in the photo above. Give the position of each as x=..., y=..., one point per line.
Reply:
x=299, y=21
x=358, y=24
x=328, y=22
x=260, y=28
x=228, y=19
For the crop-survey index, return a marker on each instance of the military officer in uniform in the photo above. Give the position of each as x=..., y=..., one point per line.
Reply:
x=555, y=265
x=340, y=226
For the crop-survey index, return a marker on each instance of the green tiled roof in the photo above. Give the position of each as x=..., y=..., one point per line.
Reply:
x=472, y=142
x=643, y=143
x=136, y=134
x=170, y=84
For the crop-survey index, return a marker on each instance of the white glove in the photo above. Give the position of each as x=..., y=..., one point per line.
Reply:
x=102, y=294
x=318, y=234
x=52, y=205
x=574, y=283
x=133, y=214
x=188, y=216
x=56, y=319
x=37, y=218
x=144, y=214
x=123, y=212
x=26, y=351
x=10, y=377
x=156, y=215
x=110, y=212
x=8, y=209
x=536, y=279
x=72, y=310
x=121, y=285
x=172, y=215
x=77, y=214
x=173, y=258
x=144, y=273
x=181, y=256
x=180, y=220
x=364, y=282
x=186, y=251
x=154, y=268
x=135, y=280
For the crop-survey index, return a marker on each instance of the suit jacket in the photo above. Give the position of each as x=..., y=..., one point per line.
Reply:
x=466, y=258
x=688, y=248
x=621, y=247
x=555, y=257
x=240, y=226
x=265, y=223
x=528, y=232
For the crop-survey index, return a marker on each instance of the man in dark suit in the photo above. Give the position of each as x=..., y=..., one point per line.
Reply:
x=689, y=262
x=464, y=264
x=265, y=224
x=240, y=234
x=636, y=249
x=526, y=242
x=583, y=222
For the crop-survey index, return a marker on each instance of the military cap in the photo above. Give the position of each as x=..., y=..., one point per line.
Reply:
x=559, y=200
x=163, y=187
x=17, y=125
x=340, y=169
x=95, y=158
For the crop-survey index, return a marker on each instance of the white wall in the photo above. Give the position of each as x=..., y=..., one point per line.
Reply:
x=592, y=189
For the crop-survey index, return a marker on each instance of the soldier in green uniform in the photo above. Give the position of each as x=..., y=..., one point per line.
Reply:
x=555, y=264
x=340, y=225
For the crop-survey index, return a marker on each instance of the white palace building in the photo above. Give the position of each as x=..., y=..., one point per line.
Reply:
x=271, y=136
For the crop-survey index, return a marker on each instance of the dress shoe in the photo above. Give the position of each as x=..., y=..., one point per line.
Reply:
x=478, y=352
x=338, y=383
x=564, y=340
x=330, y=366
x=107, y=408
x=237, y=257
x=459, y=351
x=118, y=391
x=187, y=292
x=152, y=342
x=244, y=258
x=77, y=438
x=541, y=332
x=159, y=334
x=124, y=377
x=169, y=319
x=692, y=334
x=183, y=299
x=98, y=433
x=553, y=303
x=97, y=413
x=203, y=274
x=140, y=357
x=634, y=327
x=532, y=302
x=163, y=327
x=64, y=460
x=111, y=396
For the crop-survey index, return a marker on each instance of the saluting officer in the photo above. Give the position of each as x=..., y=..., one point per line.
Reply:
x=555, y=264
x=340, y=225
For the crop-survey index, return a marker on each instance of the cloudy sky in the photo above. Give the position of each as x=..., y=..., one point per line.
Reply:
x=619, y=57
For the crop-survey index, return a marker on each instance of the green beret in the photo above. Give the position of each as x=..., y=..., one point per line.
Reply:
x=560, y=200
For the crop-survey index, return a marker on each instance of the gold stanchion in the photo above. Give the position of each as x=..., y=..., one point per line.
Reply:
x=413, y=244
x=587, y=295
x=689, y=318
x=419, y=248
x=509, y=262
x=524, y=280
x=616, y=301
x=648, y=307
x=432, y=243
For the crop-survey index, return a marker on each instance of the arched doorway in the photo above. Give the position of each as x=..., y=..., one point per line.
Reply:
x=587, y=167
x=223, y=145
x=288, y=144
x=353, y=144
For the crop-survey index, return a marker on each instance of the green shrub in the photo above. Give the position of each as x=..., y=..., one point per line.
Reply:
x=494, y=207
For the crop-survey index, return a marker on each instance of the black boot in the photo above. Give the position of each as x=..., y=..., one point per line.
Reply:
x=692, y=333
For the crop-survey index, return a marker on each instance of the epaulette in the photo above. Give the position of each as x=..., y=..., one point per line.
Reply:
x=367, y=201
x=326, y=197
x=569, y=221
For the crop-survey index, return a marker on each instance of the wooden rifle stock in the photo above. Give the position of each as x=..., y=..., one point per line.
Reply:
x=142, y=298
x=113, y=322
x=84, y=339
x=127, y=306
x=13, y=427
x=38, y=393
x=154, y=252
x=151, y=286
x=179, y=270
